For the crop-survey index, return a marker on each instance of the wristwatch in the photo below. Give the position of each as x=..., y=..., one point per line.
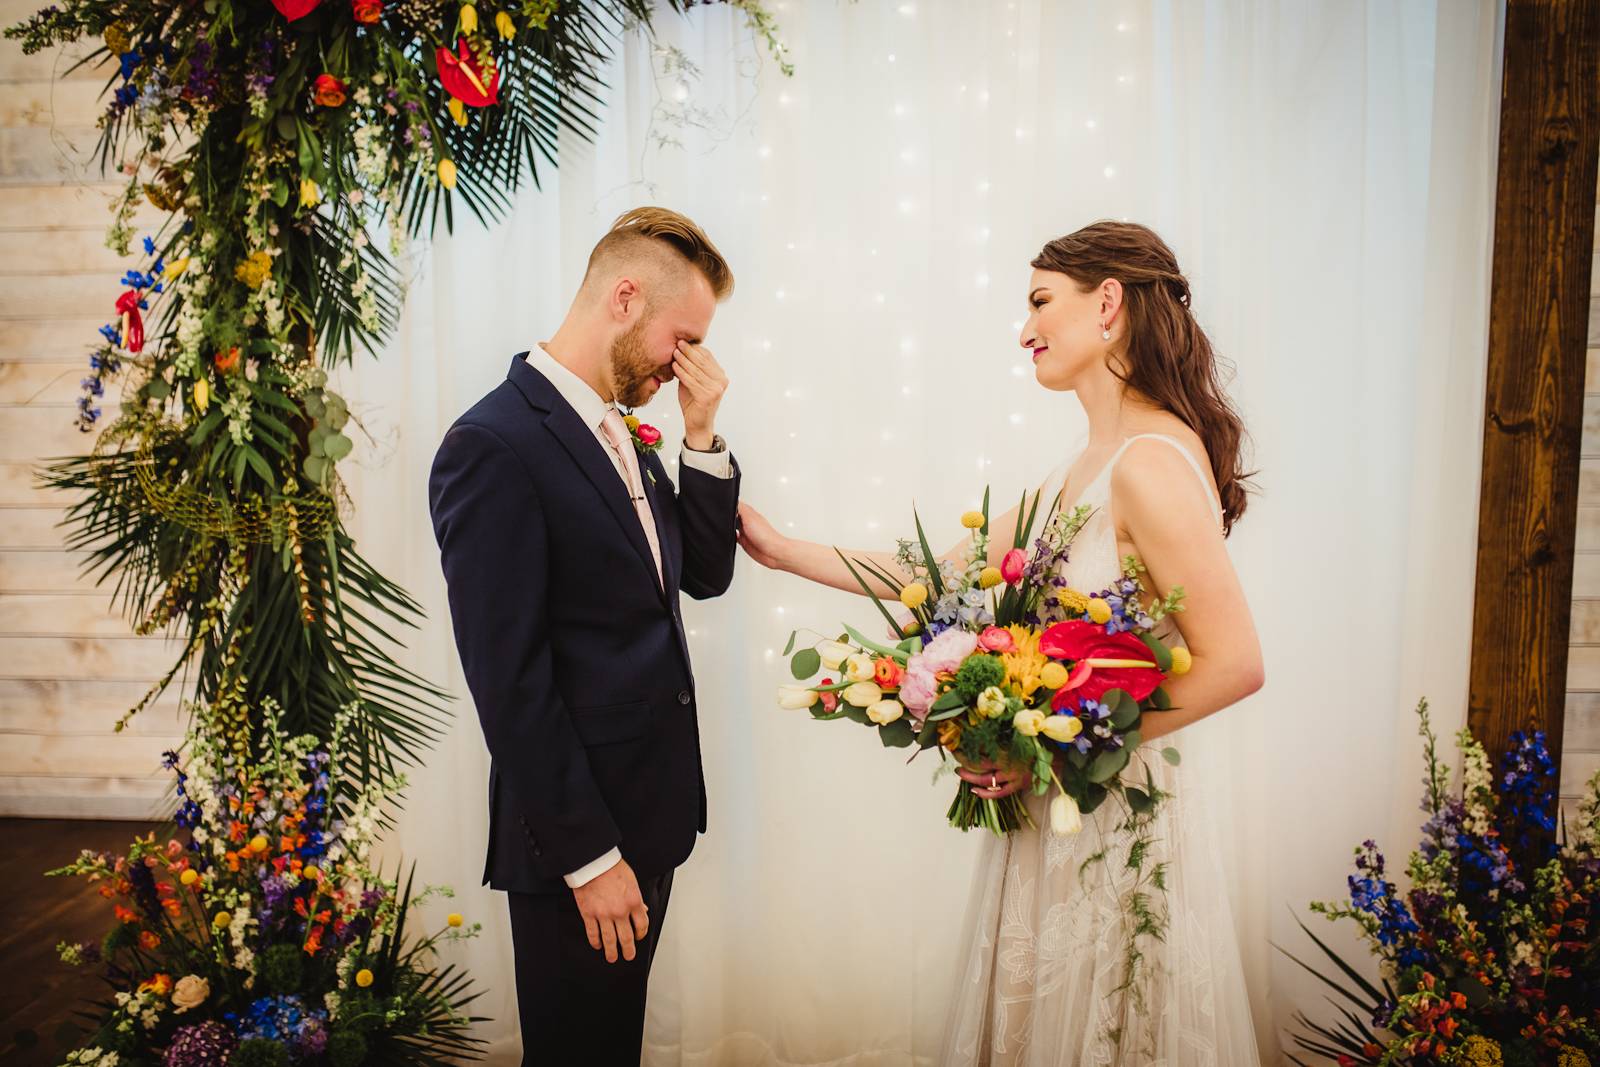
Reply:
x=717, y=445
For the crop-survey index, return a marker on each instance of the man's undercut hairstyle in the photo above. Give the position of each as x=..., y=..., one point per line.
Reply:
x=664, y=241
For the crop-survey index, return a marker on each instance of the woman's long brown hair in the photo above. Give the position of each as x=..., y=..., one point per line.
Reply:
x=1167, y=359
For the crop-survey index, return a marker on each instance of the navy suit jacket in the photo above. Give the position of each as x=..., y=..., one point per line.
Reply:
x=575, y=656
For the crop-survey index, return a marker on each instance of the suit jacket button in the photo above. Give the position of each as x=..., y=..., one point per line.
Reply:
x=683, y=697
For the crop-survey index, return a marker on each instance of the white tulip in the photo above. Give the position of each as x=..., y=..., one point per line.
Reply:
x=862, y=694
x=834, y=653
x=885, y=712
x=992, y=702
x=1064, y=816
x=860, y=668
x=796, y=696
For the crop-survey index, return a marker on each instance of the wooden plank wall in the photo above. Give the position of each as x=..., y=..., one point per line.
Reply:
x=1580, y=757
x=69, y=666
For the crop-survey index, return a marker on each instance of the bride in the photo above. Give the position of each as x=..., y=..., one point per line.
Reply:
x=1065, y=964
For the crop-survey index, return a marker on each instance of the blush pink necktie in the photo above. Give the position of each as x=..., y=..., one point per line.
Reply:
x=617, y=432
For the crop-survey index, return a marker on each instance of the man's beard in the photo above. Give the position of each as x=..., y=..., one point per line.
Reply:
x=632, y=368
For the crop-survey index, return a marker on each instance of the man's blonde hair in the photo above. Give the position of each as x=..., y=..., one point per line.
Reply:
x=662, y=236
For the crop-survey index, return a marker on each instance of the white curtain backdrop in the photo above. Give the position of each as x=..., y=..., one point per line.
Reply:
x=1324, y=171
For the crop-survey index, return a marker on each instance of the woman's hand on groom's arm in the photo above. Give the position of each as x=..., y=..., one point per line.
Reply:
x=615, y=915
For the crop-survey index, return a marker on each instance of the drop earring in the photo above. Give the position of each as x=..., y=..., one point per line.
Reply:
x=1105, y=334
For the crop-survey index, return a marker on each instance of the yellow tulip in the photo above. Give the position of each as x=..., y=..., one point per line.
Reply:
x=454, y=918
x=469, y=19
x=1099, y=610
x=1028, y=722
x=885, y=712
x=1182, y=660
x=309, y=193
x=202, y=395
x=503, y=23
x=914, y=595
x=911, y=629
x=1065, y=817
x=972, y=520
x=363, y=978
x=177, y=267
x=458, y=111
x=1061, y=728
x=447, y=174
x=990, y=577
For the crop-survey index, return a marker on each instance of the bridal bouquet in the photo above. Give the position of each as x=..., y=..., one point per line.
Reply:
x=1491, y=958
x=1005, y=665
x=260, y=937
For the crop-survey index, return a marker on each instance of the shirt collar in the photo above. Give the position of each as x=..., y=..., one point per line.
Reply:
x=589, y=405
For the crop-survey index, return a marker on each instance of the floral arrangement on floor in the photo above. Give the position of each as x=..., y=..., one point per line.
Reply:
x=1006, y=665
x=258, y=935
x=1491, y=958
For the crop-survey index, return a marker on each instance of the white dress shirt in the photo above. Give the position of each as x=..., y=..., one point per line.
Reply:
x=591, y=408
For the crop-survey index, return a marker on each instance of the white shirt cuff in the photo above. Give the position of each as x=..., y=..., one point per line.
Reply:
x=590, y=871
x=718, y=464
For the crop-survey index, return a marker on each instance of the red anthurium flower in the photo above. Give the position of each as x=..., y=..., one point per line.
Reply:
x=465, y=79
x=295, y=9
x=1101, y=662
x=132, y=321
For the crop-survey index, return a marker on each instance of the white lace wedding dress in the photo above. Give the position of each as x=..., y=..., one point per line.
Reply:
x=1048, y=933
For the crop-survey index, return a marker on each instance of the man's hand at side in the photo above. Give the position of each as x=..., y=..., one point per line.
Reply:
x=614, y=913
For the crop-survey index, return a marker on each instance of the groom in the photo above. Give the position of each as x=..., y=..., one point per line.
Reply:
x=564, y=547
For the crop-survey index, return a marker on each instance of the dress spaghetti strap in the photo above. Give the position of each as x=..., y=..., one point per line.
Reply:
x=1194, y=464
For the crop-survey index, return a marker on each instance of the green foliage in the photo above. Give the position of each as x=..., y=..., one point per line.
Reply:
x=977, y=673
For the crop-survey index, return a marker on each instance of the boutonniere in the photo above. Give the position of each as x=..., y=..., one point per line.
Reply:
x=646, y=439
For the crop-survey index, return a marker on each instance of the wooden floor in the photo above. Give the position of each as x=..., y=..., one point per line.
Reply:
x=38, y=993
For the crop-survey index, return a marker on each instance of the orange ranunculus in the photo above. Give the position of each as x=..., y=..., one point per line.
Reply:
x=159, y=984
x=328, y=90
x=125, y=915
x=228, y=360
x=888, y=673
x=148, y=940
x=367, y=11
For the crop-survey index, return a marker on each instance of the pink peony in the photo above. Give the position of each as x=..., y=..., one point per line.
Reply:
x=945, y=652
x=997, y=639
x=1012, y=565
x=918, y=690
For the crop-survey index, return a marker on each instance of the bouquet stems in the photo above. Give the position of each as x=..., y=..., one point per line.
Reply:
x=999, y=816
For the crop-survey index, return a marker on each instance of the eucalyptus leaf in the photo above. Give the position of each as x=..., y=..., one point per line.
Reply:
x=805, y=664
x=1172, y=755
x=337, y=446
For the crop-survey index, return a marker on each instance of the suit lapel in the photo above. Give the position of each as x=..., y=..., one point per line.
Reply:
x=588, y=454
x=660, y=499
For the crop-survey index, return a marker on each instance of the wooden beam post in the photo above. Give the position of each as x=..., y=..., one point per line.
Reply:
x=1533, y=413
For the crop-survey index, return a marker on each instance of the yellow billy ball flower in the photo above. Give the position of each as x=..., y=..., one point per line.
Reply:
x=1099, y=610
x=914, y=595
x=454, y=918
x=189, y=877
x=447, y=173
x=309, y=872
x=503, y=23
x=258, y=843
x=363, y=978
x=221, y=920
x=1054, y=675
x=990, y=577
x=1182, y=660
x=631, y=422
x=469, y=19
x=458, y=111
x=202, y=395
x=972, y=520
